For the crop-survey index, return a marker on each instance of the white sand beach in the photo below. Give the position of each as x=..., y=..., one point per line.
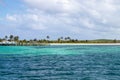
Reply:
x=84, y=43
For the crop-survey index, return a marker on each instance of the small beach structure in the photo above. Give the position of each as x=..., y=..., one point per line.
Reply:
x=7, y=43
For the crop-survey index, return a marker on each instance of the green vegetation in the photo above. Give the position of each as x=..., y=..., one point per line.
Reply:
x=35, y=41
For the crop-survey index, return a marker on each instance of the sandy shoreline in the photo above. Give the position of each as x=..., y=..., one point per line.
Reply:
x=84, y=43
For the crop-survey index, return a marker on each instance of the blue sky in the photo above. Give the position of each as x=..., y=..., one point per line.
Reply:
x=81, y=19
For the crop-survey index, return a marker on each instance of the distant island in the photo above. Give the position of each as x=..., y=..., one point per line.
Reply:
x=15, y=41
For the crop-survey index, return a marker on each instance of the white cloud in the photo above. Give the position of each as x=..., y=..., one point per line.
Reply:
x=79, y=16
x=11, y=18
x=37, y=26
x=53, y=6
x=30, y=21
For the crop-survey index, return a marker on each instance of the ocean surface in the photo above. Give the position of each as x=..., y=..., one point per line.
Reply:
x=85, y=62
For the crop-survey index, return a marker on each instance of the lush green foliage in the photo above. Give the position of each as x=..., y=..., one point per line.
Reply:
x=59, y=40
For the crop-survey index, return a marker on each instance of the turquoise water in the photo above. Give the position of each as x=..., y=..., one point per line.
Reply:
x=60, y=62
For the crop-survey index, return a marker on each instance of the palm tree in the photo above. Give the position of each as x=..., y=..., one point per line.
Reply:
x=35, y=40
x=24, y=41
x=58, y=39
x=11, y=37
x=65, y=38
x=6, y=37
x=44, y=40
x=86, y=41
x=47, y=37
x=0, y=40
x=68, y=38
x=16, y=38
x=114, y=40
x=61, y=37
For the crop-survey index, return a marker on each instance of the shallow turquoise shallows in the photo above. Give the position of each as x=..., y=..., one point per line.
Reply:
x=68, y=62
x=58, y=50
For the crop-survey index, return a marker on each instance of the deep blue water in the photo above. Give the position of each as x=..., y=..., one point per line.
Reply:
x=60, y=63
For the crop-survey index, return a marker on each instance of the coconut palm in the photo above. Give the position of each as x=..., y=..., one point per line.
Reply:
x=114, y=40
x=11, y=37
x=0, y=40
x=61, y=37
x=68, y=38
x=16, y=38
x=35, y=40
x=6, y=37
x=58, y=39
x=48, y=37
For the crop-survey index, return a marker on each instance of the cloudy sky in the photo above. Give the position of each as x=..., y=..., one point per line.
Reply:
x=82, y=19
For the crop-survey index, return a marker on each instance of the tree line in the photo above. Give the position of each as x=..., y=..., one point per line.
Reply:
x=10, y=38
x=59, y=40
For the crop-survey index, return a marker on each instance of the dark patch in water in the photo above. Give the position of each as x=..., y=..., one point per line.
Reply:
x=77, y=49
